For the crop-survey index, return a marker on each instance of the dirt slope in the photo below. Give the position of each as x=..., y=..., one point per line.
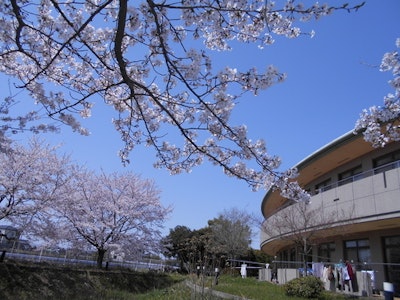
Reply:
x=43, y=281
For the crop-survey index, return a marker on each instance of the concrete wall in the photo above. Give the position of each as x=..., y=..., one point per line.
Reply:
x=371, y=198
x=285, y=275
x=264, y=274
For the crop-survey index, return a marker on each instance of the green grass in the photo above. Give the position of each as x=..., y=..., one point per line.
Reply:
x=178, y=291
x=33, y=281
x=249, y=288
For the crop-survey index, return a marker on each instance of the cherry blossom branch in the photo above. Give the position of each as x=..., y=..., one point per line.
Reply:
x=380, y=125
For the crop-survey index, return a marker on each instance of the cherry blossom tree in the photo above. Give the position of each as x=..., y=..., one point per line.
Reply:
x=146, y=60
x=380, y=124
x=119, y=212
x=31, y=177
x=20, y=123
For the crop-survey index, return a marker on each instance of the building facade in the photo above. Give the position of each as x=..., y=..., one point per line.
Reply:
x=355, y=195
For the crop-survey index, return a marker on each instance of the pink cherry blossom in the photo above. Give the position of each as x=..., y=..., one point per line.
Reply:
x=137, y=57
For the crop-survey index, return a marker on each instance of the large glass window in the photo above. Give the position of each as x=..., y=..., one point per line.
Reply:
x=292, y=257
x=350, y=175
x=384, y=163
x=323, y=186
x=391, y=246
x=284, y=259
x=357, y=251
x=326, y=251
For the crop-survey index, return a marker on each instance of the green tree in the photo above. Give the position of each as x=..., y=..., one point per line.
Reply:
x=231, y=232
x=256, y=256
x=227, y=236
x=176, y=245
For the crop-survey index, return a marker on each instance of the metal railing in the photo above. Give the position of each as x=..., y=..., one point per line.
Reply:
x=85, y=260
x=380, y=169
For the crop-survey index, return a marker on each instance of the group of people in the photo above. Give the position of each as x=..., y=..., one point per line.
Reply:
x=340, y=276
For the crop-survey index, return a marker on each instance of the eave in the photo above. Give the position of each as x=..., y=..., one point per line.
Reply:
x=322, y=161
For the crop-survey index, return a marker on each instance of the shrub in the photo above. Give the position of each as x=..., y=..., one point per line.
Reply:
x=305, y=287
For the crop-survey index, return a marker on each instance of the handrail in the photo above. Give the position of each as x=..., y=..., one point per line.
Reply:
x=365, y=174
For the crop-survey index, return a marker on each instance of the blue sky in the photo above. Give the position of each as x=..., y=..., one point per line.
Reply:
x=331, y=78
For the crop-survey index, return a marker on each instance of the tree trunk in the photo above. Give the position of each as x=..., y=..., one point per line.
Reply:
x=100, y=257
x=305, y=256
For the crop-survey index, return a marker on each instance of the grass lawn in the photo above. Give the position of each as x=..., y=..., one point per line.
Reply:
x=45, y=281
x=179, y=291
x=249, y=288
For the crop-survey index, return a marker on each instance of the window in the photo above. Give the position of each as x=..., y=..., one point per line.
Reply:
x=384, y=163
x=325, y=251
x=323, y=186
x=284, y=259
x=357, y=250
x=391, y=247
x=349, y=175
x=292, y=257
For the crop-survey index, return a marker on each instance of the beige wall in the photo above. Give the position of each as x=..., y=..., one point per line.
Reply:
x=364, y=200
x=368, y=197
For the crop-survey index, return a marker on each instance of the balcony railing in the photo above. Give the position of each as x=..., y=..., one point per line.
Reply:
x=380, y=169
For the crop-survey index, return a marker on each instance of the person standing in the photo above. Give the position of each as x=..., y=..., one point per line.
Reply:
x=243, y=270
x=216, y=276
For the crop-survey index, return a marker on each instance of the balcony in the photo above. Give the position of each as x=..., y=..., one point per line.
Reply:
x=381, y=169
x=374, y=194
x=371, y=201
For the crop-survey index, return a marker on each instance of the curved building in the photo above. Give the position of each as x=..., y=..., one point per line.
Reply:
x=355, y=200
